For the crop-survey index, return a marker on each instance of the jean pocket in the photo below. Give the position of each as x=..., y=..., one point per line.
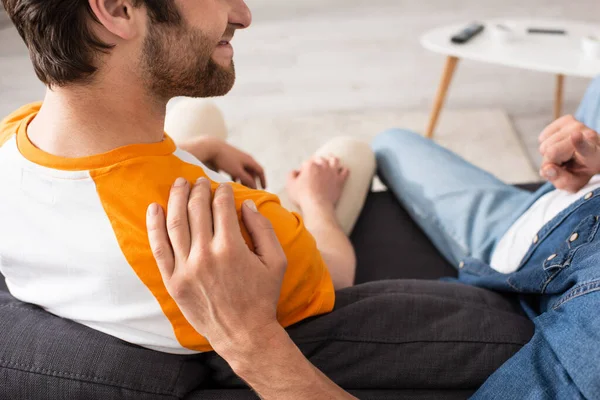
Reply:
x=553, y=261
x=581, y=236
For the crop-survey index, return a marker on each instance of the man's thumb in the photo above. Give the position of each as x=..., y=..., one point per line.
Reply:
x=562, y=179
x=266, y=244
x=550, y=172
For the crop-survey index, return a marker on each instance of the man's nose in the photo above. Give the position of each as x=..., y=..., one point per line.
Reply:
x=240, y=14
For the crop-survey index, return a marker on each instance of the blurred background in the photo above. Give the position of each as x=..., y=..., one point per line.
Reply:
x=350, y=57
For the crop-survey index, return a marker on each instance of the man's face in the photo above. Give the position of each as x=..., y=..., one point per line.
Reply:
x=194, y=58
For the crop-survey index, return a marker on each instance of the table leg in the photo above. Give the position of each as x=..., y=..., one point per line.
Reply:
x=440, y=97
x=558, y=96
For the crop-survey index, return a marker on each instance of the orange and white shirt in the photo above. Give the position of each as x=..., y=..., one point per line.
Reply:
x=73, y=238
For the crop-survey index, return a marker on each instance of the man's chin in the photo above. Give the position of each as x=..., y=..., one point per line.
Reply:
x=212, y=80
x=217, y=82
x=222, y=79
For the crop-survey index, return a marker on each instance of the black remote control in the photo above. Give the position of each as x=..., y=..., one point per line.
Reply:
x=547, y=31
x=468, y=33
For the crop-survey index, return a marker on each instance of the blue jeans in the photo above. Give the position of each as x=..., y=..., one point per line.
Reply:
x=462, y=209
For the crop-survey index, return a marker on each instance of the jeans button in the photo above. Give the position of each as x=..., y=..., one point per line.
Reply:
x=574, y=237
x=536, y=239
x=461, y=265
x=552, y=257
x=589, y=195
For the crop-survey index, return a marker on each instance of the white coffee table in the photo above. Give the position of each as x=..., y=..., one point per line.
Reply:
x=556, y=54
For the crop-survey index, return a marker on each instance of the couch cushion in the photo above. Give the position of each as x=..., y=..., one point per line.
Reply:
x=383, y=232
x=41, y=353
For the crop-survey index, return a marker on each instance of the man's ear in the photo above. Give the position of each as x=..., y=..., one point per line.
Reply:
x=119, y=17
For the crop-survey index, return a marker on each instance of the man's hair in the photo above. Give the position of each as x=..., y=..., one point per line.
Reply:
x=58, y=34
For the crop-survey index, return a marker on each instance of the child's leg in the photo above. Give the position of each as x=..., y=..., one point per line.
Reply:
x=358, y=157
x=189, y=118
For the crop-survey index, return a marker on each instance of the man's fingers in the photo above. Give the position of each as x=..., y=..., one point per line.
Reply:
x=560, y=152
x=563, y=133
x=200, y=214
x=585, y=143
x=159, y=241
x=178, y=225
x=554, y=127
x=266, y=243
x=225, y=219
x=551, y=141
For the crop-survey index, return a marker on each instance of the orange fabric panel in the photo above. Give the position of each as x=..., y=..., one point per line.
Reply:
x=126, y=191
x=10, y=124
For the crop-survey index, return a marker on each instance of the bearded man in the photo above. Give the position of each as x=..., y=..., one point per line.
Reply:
x=79, y=170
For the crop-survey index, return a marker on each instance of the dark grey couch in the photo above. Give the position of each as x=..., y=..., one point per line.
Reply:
x=28, y=366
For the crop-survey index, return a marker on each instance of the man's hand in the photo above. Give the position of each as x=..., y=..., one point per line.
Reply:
x=571, y=154
x=319, y=181
x=224, y=157
x=227, y=292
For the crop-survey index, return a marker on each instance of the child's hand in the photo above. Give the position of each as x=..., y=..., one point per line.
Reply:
x=224, y=157
x=319, y=181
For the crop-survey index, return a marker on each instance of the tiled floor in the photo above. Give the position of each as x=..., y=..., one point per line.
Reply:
x=305, y=56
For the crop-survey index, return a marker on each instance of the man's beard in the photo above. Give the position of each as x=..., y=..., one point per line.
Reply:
x=177, y=61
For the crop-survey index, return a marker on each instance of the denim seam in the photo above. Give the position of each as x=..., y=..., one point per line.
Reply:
x=550, y=278
x=554, y=266
x=44, y=371
x=578, y=291
x=510, y=283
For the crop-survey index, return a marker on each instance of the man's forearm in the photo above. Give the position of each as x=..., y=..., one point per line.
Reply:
x=336, y=248
x=276, y=369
